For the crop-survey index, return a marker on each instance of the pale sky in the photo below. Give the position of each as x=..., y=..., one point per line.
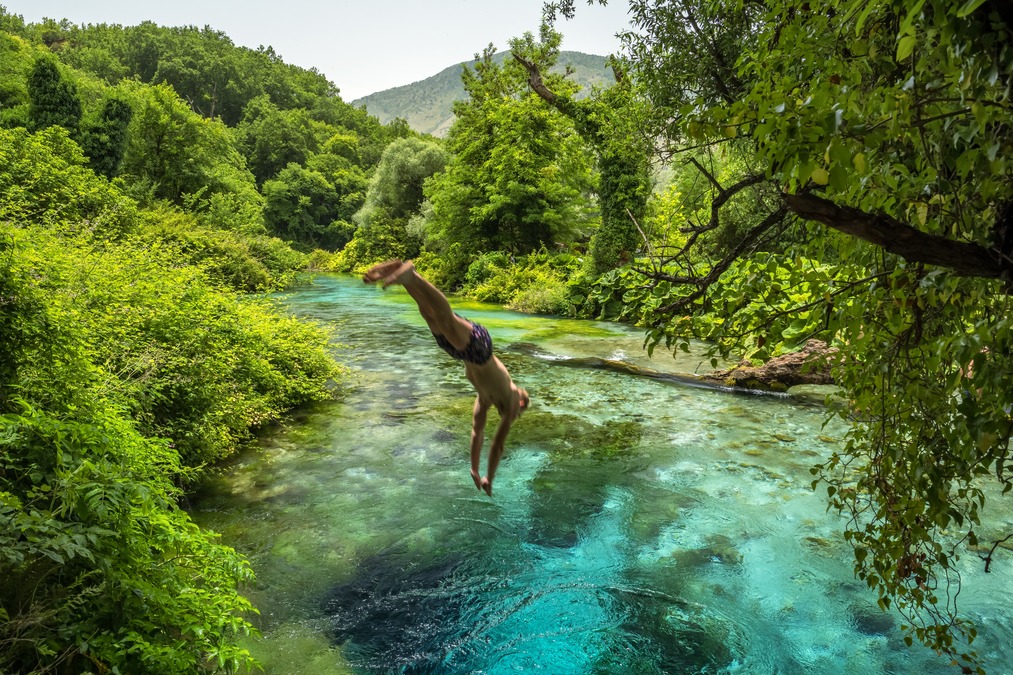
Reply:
x=363, y=46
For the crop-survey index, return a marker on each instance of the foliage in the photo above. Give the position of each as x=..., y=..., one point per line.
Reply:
x=128, y=367
x=393, y=200
x=176, y=153
x=536, y=283
x=396, y=186
x=215, y=77
x=104, y=141
x=518, y=178
x=886, y=125
x=43, y=180
x=54, y=100
x=243, y=262
x=446, y=270
x=611, y=122
x=102, y=570
x=303, y=207
x=271, y=138
x=383, y=238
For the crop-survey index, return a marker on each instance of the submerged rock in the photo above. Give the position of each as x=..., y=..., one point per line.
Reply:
x=813, y=393
x=389, y=610
x=719, y=549
x=870, y=619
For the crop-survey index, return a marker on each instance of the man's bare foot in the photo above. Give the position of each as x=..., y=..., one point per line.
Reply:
x=400, y=274
x=478, y=479
x=381, y=271
x=487, y=486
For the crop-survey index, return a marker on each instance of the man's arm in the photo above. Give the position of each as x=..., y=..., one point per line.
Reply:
x=478, y=417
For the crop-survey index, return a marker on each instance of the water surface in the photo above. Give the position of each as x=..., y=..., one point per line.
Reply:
x=638, y=525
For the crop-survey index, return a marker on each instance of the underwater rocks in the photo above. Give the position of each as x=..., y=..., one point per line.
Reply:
x=718, y=549
x=869, y=619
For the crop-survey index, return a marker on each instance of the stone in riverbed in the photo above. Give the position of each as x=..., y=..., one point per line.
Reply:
x=814, y=393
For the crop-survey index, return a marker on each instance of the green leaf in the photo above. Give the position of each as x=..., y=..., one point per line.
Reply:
x=839, y=177
x=905, y=47
x=969, y=7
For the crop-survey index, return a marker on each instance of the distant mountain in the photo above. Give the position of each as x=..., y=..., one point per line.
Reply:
x=426, y=104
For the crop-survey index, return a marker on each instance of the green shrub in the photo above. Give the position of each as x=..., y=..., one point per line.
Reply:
x=545, y=295
x=102, y=570
x=447, y=270
x=44, y=181
x=536, y=283
x=247, y=263
x=190, y=361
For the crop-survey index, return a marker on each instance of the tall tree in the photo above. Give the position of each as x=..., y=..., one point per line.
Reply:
x=399, y=178
x=303, y=207
x=54, y=100
x=519, y=177
x=609, y=123
x=105, y=141
x=271, y=138
x=174, y=152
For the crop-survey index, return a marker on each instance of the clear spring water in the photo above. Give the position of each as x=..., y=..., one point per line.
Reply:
x=637, y=526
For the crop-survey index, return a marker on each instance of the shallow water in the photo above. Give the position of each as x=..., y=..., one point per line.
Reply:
x=638, y=526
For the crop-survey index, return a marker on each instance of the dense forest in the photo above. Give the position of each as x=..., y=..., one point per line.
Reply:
x=759, y=175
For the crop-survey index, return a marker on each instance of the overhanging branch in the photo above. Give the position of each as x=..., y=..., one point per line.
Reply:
x=890, y=234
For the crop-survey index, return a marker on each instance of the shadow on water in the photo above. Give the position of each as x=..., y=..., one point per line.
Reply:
x=397, y=612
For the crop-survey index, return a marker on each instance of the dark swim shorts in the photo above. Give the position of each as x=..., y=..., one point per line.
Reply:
x=479, y=349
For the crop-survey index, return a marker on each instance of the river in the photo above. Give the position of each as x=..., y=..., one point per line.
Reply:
x=638, y=525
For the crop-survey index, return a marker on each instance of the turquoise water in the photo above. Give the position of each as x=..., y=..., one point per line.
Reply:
x=638, y=525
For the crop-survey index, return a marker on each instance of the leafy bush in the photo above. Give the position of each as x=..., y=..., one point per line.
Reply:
x=44, y=180
x=192, y=363
x=124, y=369
x=103, y=572
x=247, y=263
x=120, y=372
x=536, y=283
x=446, y=270
x=382, y=238
x=760, y=306
x=544, y=295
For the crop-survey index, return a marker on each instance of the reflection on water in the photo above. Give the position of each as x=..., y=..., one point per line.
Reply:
x=639, y=526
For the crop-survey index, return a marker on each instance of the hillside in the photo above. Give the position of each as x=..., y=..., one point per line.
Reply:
x=426, y=104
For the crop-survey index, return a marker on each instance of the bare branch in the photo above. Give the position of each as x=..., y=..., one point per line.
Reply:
x=749, y=241
x=710, y=177
x=535, y=80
